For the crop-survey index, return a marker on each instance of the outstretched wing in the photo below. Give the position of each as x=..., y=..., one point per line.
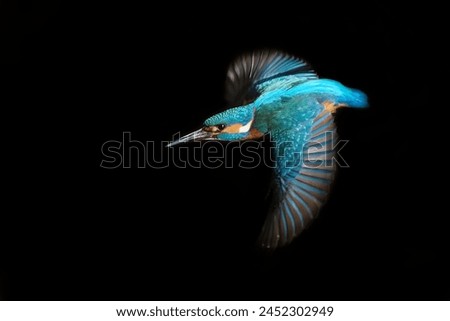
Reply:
x=303, y=177
x=247, y=73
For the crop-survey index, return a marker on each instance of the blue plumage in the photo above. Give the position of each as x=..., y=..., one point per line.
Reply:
x=281, y=95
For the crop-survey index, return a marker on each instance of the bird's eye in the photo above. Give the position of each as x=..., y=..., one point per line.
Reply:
x=214, y=129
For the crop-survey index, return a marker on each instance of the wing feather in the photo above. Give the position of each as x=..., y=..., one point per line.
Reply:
x=300, y=192
x=251, y=70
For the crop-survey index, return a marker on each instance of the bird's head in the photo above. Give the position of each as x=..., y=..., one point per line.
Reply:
x=231, y=125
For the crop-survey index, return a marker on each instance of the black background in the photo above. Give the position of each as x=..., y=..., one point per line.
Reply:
x=78, y=75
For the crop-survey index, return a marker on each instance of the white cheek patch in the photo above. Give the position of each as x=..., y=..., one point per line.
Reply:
x=246, y=127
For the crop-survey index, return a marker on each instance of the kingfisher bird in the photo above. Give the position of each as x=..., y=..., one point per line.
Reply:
x=273, y=93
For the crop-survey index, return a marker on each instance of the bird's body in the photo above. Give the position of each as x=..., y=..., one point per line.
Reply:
x=280, y=95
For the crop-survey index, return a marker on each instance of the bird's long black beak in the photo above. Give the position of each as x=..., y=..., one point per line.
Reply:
x=194, y=136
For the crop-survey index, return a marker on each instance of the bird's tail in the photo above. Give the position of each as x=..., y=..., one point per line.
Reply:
x=337, y=93
x=355, y=98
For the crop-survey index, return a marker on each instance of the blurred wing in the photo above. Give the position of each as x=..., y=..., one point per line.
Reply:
x=303, y=177
x=250, y=70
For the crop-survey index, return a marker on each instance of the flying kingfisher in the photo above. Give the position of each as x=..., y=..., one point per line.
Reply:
x=273, y=93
